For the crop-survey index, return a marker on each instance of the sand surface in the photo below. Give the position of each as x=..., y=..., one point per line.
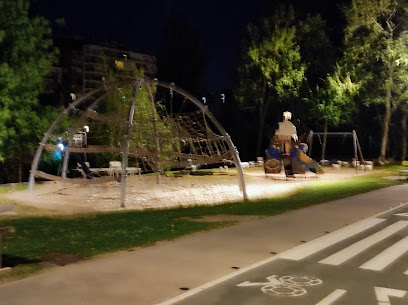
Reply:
x=143, y=192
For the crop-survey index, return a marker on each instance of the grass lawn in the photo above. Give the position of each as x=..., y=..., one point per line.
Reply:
x=39, y=238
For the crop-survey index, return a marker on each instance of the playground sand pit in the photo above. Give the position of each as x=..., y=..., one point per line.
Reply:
x=142, y=192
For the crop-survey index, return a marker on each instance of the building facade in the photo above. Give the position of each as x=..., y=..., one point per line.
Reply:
x=83, y=67
x=98, y=60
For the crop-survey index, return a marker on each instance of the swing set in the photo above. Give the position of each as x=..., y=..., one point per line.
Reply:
x=356, y=144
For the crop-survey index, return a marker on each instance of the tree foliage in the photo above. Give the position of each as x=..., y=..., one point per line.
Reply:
x=377, y=54
x=332, y=103
x=271, y=70
x=26, y=56
x=180, y=59
x=316, y=49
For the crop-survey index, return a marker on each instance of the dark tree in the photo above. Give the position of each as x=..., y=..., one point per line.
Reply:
x=180, y=59
x=26, y=56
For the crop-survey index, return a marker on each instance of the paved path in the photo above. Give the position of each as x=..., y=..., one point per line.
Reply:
x=153, y=275
x=363, y=263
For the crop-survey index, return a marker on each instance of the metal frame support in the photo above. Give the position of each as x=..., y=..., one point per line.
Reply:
x=65, y=167
x=125, y=148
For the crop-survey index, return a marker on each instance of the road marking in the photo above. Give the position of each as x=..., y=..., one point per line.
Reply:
x=271, y=280
x=324, y=242
x=388, y=256
x=287, y=285
x=287, y=280
x=383, y=294
x=334, y=296
x=362, y=245
x=402, y=214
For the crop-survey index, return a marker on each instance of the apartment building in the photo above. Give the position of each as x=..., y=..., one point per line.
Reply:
x=82, y=67
x=98, y=60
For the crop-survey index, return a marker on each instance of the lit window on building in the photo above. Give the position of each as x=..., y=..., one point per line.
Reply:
x=120, y=64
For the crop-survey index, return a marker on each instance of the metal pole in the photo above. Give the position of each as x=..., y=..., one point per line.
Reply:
x=65, y=167
x=360, y=151
x=355, y=149
x=171, y=99
x=125, y=151
x=310, y=138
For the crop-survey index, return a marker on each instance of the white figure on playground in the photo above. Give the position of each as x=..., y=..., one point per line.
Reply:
x=286, y=128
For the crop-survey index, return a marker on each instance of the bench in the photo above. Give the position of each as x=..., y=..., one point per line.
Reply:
x=4, y=230
x=403, y=172
x=134, y=170
x=115, y=169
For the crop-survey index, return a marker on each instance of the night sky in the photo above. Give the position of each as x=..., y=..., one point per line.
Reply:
x=140, y=25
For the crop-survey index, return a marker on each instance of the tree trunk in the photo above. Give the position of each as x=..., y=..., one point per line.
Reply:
x=324, y=138
x=387, y=114
x=20, y=170
x=262, y=116
x=404, y=135
x=386, y=121
x=260, y=134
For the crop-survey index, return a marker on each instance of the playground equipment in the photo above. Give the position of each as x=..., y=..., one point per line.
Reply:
x=286, y=154
x=135, y=129
x=356, y=146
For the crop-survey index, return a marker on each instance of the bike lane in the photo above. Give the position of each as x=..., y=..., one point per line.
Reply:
x=362, y=264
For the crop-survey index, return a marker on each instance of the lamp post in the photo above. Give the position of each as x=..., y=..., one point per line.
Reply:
x=171, y=98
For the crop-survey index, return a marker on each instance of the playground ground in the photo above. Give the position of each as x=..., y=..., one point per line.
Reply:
x=144, y=193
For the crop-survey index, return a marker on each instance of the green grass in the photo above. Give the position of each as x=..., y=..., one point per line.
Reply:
x=12, y=187
x=87, y=235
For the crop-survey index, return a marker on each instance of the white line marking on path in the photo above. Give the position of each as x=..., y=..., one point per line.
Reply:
x=334, y=296
x=402, y=214
x=388, y=256
x=362, y=245
x=383, y=294
x=324, y=242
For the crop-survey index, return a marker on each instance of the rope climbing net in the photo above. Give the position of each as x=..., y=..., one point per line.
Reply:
x=126, y=122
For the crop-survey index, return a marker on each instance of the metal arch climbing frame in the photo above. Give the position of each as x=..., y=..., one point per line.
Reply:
x=147, y=82
x=34, y=165
x=221, y=129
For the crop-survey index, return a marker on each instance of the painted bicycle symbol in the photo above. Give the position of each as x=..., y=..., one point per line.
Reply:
x=288, y=285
